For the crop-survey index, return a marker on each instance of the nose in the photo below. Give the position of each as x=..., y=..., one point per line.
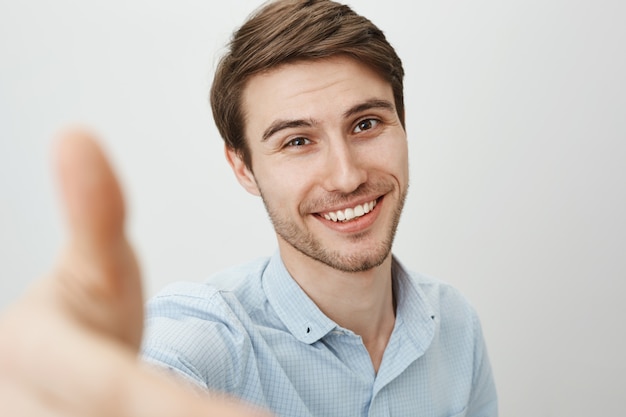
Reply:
x=345, y=170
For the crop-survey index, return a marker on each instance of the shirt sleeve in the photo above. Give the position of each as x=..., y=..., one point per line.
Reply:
x=195, y=336
x=483, y=400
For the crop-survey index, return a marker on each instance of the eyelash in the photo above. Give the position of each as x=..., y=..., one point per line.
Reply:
x=291, y=143
x=372, y=122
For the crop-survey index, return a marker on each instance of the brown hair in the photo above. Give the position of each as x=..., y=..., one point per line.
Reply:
x=285, y=31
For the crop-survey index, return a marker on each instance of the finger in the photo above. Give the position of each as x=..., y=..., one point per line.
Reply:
x=91, y=194
x=97, y=278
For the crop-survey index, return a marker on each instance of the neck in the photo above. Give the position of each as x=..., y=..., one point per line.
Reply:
x=359, y=301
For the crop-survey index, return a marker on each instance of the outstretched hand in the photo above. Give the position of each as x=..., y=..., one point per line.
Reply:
x=69, y=346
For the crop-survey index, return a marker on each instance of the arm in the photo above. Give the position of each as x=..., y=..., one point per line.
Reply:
x=483, y=401
x=69, y=345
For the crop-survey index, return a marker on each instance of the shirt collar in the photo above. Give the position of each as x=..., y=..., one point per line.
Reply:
x=415, y=314
x=309, y=324
x=294, y=308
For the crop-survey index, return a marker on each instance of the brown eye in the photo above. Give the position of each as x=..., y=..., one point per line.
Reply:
x=365, y=124
x=298, y=142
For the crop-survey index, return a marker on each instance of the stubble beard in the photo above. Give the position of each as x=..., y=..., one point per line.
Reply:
x=306, y=243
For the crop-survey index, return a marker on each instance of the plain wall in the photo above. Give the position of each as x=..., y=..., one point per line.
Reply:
x=517, y=126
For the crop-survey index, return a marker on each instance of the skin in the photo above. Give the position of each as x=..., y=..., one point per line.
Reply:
x=88, y=307
x=325, y=136
x=90, y=304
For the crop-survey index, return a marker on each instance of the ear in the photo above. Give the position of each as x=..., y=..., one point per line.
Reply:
x=243, y=174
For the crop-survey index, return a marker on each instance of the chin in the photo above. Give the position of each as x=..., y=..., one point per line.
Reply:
x=353, y=262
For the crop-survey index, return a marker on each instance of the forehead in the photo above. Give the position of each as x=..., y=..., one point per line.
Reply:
x=320, y=89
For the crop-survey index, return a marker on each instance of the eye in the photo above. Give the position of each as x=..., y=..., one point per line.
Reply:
x=299, y=141
x=365, y=124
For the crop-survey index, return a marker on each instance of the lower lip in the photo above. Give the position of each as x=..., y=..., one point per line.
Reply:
x=356, y=225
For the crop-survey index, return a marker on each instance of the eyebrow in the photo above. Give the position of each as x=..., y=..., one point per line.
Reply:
x=279, y=125
x=368, y=105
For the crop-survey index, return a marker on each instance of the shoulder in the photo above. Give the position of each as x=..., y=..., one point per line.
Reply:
x=202, y=329
x=454, y=312
x=439, y=293
x=217, y=292
x=238, y=276
x=444, y=295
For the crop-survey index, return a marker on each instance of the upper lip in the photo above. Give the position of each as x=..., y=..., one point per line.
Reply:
x=344, y=206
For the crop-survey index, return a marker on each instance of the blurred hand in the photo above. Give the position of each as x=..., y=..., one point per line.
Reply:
x=69, y=346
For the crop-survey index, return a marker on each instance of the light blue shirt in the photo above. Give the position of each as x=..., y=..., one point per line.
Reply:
x=253, y=333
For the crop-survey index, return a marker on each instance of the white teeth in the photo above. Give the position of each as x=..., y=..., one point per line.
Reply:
x=350, y=213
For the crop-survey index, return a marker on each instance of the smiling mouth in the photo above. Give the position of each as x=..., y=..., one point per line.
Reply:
x=350, y=213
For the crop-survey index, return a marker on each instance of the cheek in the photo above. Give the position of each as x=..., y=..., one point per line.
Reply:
x=283, y=187
x=391, y=156
x=403, y=160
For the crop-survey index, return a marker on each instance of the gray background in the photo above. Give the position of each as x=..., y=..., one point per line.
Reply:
x=516, y=125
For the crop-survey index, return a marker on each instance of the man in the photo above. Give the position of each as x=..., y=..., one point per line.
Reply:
x=309, y=102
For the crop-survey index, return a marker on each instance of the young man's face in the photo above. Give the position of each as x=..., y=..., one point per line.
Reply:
x=329, y=158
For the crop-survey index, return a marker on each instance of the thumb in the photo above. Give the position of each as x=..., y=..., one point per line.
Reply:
x=91, y=194
x=97, y=280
